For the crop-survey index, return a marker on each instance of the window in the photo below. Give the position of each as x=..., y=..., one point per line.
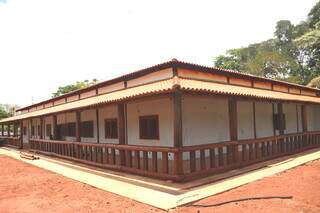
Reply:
x=71, y=129
x=149, y=127
x=279, y=121
x=48, y=130
x=111, y=128
x=24, y=130
x=86, y=129
x=32, y=130
x=39, y=130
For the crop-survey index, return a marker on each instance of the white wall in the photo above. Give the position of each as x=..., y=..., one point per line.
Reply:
x=313, y=117
x=163, y=107
x=245, y=120
x=204, y=120
x=47, y=120
x=264, y=119
x=290, y=112
x=107, y=112
x=25, y=137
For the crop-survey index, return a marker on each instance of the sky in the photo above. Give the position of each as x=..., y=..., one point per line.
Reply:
x=45, y=44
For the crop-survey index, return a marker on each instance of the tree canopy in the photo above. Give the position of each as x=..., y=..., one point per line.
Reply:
x=72, y=87
x=292, y=55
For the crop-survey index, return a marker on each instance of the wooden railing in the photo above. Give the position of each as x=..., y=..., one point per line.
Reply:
x=215, y=158
x=11, y=141
x=179, y=164
x=159, y=162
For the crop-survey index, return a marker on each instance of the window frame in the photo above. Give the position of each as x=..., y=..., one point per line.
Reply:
x=116, y=136
x=141, y=131
x=85, y=134
x=48, y=128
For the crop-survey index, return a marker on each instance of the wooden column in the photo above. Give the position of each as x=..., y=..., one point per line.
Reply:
x=177, y=125
x=41, y=128
x=21, y=134
x=97, y=120
x=8, y=129
x=14, y=129
x=121, y=131
x=78, y=123
x=2, y=130
x=233, y=129
x=233, y=119
x=55, y=128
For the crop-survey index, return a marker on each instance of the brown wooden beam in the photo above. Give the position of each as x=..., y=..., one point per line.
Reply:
x=97, y=120
x=21, y=134
x=41, y=128
x=177, y=113
x=14, y=129
x=233, y=129
x=55, y=127
x=78, y=123
x=121, y=130
x=233, y=119
x=177, y=125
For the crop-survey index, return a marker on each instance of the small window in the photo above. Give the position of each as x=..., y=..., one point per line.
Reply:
x=111, y=128
x=86, y=129
x=279, y=121
x=149, y=127
x=48, y=130
x=24, y=130
x=32, y=130
x=71, y=132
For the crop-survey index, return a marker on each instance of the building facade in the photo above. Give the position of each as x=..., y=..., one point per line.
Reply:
x=175, y=121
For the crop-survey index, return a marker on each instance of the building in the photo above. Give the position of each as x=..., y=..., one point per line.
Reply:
x=175, y=121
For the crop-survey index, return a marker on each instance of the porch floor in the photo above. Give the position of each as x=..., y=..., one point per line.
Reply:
x=162, y=194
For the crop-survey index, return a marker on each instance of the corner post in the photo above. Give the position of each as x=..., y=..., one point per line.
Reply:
x=177, y=125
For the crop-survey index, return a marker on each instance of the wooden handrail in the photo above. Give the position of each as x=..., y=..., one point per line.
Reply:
x=115, y=146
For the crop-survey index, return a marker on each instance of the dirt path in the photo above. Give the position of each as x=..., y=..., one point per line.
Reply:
x=25, y=188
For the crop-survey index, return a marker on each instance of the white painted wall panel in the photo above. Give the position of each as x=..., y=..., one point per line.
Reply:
x=245, y=120
x=264, y=119
x=163, y=107
x=107, y=112
x=204, y=120
x=290, y=112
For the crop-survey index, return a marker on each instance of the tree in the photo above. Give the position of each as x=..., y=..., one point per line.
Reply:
x=7, y=110
x=315, y=83
x=314, y=15
x=72, y=87
x=293, y=54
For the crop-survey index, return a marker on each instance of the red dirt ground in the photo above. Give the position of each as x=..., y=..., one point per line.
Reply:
x=25, y=188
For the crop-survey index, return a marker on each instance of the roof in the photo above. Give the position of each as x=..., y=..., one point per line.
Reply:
x=165, y=86
x=168, y=64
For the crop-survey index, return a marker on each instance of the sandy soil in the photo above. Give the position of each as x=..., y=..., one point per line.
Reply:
x=25, y=188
